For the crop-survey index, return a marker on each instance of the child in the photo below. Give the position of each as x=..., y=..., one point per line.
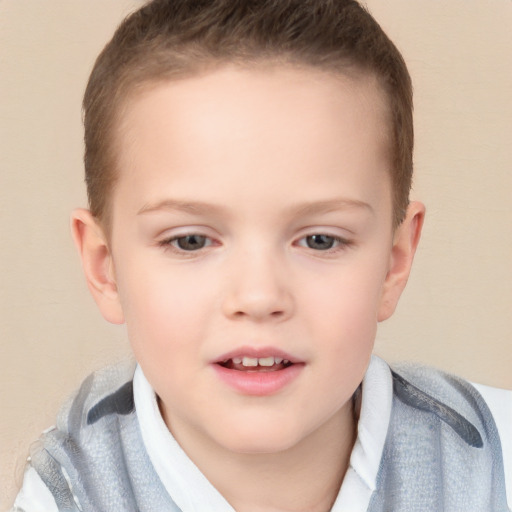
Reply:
x=248, y=168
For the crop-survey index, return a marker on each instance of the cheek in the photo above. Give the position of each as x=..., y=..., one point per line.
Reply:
x=348, y=294
x=164, y=309
x=166, y=326
x=343, y=307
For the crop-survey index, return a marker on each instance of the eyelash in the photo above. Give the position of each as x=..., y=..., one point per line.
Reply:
x=171, y=243
x=339, y=243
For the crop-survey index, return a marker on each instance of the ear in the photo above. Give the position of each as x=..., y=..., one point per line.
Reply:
x=94, y=251
x=405, y=242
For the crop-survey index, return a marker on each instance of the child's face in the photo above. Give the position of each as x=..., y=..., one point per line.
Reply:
x=253, y=218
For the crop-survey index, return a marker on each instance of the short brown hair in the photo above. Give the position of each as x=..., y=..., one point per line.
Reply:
x=170, y=38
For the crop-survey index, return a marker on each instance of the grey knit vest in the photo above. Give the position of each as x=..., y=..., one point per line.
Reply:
x=442, y=451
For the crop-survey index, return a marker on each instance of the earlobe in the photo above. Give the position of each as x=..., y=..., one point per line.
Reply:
x=406, y=239
x=92, y=246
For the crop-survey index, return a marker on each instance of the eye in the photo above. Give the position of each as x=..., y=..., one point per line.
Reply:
x=189, y=243
x=322, y=242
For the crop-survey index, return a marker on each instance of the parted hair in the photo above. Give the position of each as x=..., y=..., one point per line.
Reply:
x=168, y=39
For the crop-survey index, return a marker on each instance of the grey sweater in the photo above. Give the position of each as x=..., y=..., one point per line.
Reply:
x=442, y=451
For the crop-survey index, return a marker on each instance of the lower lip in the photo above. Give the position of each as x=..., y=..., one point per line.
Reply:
x=259, y=383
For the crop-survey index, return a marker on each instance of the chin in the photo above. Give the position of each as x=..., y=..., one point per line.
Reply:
x=259, y=447
x=266, y=440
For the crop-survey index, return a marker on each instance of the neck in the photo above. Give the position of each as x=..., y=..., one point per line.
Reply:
x=306, y=477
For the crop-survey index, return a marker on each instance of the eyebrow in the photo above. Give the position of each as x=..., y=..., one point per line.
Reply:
x=331, y=205
x=192, y=207
x=312, y=208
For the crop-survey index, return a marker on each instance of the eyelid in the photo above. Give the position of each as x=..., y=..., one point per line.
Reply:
x=166, y=239
x=334, y=231
x=338, y=239
x=342, y=242
x=172, y=232
x=207, y=240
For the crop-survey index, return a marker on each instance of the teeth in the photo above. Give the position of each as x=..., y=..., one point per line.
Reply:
x=262, y=361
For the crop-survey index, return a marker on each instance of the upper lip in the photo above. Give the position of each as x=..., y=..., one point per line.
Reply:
x=257, y=352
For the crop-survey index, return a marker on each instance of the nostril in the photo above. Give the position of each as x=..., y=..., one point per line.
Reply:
x=274, y=314
x=247, y=304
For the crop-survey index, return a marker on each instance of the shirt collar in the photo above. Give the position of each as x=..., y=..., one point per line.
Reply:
x=191, y=490
x=187, y=486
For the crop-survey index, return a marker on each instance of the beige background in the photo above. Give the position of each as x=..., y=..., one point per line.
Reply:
x=457, y=311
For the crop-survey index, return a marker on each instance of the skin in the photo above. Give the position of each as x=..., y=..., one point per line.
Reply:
x=256, y=161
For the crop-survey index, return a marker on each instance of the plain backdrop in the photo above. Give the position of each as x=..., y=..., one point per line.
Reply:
x=457, y=310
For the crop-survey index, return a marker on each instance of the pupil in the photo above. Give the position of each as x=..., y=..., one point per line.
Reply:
x=322, y=242
x=191, y=242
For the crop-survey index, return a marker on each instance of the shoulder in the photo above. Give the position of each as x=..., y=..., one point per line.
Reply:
x=104, y=392
x=450, y=399
x=467, y=426
x=34, y=495
x=500, y=405
x=87, y=425
x=409, y=379
x=442, y=450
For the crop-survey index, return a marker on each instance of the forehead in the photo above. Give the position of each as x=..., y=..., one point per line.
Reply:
x=265, y=83
x=250, y=127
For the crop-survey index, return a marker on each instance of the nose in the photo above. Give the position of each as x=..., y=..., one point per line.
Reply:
x=258, y=288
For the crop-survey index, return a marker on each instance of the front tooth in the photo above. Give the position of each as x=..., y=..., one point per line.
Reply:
x=250, y=361
x=237, y=360
x=266, y=361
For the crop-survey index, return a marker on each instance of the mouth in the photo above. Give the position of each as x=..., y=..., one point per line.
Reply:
x=258, y=372
x=256, y=364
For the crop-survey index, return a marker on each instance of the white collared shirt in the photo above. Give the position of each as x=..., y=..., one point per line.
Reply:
x=192, y=492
